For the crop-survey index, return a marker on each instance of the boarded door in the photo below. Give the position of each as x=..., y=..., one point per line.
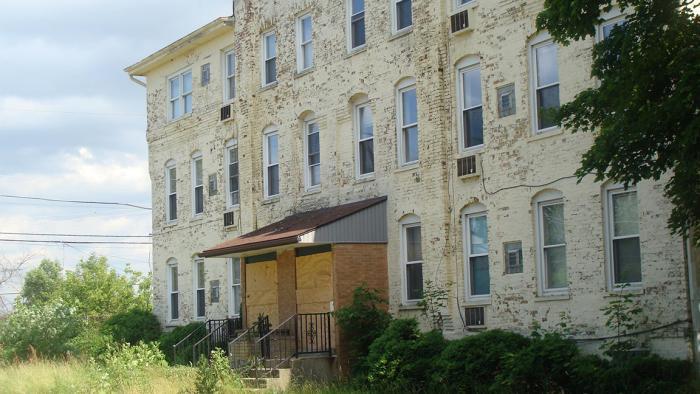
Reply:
x=314, y=283
x=261, y=291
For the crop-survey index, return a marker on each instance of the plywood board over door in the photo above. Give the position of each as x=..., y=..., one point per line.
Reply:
x=314, y=285
x=261, y=291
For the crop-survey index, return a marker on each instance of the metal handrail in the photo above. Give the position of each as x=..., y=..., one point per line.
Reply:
x=188, y=337
x=277, y=328
x=217, y=336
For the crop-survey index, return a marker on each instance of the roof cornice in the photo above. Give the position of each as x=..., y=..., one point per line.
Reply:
x=205, y=33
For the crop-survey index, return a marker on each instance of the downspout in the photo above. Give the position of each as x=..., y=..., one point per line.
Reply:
x=136, y=80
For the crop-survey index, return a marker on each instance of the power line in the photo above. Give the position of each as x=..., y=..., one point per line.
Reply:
x=6, y=109
x=52, y=241
x=76, y=201
x=78, y=235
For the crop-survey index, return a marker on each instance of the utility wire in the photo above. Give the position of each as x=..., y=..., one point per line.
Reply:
x=52, y=241
x=78, y=235
x=6, y=109
x=76, y=201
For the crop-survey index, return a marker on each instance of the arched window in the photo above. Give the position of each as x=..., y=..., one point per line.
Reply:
x=170, y=191
x=477, y=278
x=551, y=241
x=173, y=290
x=407, y=121
x=411, y=259
x=544, y=81
x=363, y=121
x=470, y=103
x=197, y=184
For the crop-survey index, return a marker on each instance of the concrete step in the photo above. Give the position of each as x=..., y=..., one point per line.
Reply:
x=276, y=380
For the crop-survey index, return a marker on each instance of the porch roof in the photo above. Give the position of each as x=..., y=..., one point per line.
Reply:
x=314, y=227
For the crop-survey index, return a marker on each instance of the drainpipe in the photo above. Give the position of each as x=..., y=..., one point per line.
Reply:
x=136, y=80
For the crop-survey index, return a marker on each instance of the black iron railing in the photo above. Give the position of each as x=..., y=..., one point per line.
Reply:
x=220, y=332
x=181, y=350
x=313, y=333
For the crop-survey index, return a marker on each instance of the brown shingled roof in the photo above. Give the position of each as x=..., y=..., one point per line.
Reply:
x=288, y=230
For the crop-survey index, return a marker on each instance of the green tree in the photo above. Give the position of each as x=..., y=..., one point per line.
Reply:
x=43, y=283
x=97, y=291
x=645, y=112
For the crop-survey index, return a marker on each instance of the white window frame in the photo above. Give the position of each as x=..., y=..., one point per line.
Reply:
x=197, y=289
x=301, y=67
x=458, y=5
x=230, y=145
x=234, y=304
x=358, y=138
x=181, y=94
x=465, y=66
x=395, y=18
x=170, y=165
x=541, y=40
x=547, y=199
x=307, y=165
x=409, y=84
x=195, y=158
x=229, y=75
x=348, y=22
x=409, y=222
x=466, y=215
x=614, y=16
x=265, y=82
x=610, y=237
x=266, y=164
x=172, y=263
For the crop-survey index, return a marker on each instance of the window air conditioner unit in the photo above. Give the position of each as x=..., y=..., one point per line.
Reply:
x=459, y=21
x=474, y=316
x=468, y=166
x=226, y=112
x=228, y=219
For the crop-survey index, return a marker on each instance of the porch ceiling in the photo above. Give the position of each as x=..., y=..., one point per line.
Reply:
x=345, y=223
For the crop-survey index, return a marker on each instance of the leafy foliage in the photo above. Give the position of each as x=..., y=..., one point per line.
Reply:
x=133, y=326
x=168, y=339
x=364, y=320
x=42, y=284
x=434, y=301
x=91, y=342
x=126, y=366
x=622, y=316
x=42, y=329
x=646, y=109
x=214, y=375
x=472, y=363
x=403, y=358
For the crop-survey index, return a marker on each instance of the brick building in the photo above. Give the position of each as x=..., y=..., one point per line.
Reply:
x=436, y=109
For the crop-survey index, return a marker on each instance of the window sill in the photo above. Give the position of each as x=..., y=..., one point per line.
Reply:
x=553, y=297
x=197, y=218
x=268, y=87
x=183, y=117
x=173, y=323
x=407, y=167
x=482, y=301
x=270, y=200
x=471, y=151
x=467, y=6
x=299, y=74
x=169, y=224
x=634, y=291
x=312, y=191
x=401, y=33
x=364, y=179
x=552, y=132
x=410, y=307
x=355, y=51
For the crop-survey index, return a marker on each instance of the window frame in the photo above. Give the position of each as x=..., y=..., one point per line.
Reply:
x=170, y=165
x=266, y=164
x=196, y=289
x=407, y=85
x=172, y=264
x=358, y=138
x=197, y=157
x=265, y=59
x=300, y=44
x=464, y=67
x=349, y=25
x=549, y=199
x=181, y=94
x=410, y=222
x=466, y=216
x=234, y=310
x=232, y=144
x=229, y=75
x=542, y=40
x=395, y=18
x=610, y=237
x=307, y=166
x=459, y=6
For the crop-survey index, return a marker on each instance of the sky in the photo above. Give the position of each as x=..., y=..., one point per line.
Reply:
x=72, y=124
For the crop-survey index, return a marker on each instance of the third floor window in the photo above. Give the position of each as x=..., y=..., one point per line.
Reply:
x=305, y=48
x=269, y=59
x=180, y=97
x=356, y=23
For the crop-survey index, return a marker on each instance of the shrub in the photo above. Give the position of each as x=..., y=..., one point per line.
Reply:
x=645, y=374
x=403, y=358
x=133, y=326
x=125, y=367
x=472, y=363
x=168, y=339
x=42, y=329
x=544, y=366
x=91, y=342
x=214, y=375
x=363, y=321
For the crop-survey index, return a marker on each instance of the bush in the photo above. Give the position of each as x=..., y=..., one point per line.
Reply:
x=214, y=375
x=125, y=367
x=403, y=358
x=544, y=366
x=132, y=327
x=472, y=363
x=42, y=329
x=363, y=321
x=91, y=342
x=645, y=374
x=168, y=339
